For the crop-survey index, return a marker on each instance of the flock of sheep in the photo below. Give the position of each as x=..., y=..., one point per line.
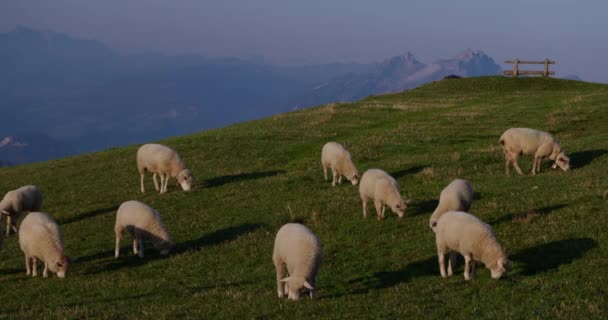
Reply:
x=296, y=247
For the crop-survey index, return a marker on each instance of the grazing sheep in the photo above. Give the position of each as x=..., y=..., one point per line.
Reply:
x=457, y=196
x=299, y=248
x=464, y=233
x=40, y=239
x=142, y=223
x=337, y=158
x=15, y=202
x=384, y=190
x=165, y=162
x=525, y=141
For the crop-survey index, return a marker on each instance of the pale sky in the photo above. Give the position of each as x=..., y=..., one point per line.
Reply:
x=574, y=33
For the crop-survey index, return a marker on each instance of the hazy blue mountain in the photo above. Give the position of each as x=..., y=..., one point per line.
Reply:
x=65, y=96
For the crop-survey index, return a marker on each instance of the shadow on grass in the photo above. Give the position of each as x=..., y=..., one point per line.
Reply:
x=87, y=215
x=524, y=215
x=219, y=181
x=128, y=259
x=217, y=237
x=423, y=207
x=549, y=256
x=386, y=279
x=401, y=173
x=583, y=158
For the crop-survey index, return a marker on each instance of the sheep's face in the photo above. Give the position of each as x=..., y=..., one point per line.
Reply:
x=501, y=267
x=354, y=179
x=399, y=208
x=60, y=267
x=166, y=247
x=185, y=179
x=294, y=287
x=562, y=161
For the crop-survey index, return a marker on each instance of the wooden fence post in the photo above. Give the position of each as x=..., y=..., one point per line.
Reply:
x=546, y=74
x=515, y=67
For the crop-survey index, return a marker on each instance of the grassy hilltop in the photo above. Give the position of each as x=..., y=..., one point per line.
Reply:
x=255, y=176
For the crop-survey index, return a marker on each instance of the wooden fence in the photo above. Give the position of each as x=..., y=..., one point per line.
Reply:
x=516, y=72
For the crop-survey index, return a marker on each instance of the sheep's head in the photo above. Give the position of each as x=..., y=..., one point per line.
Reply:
x=399, y=208
x=354, y=179
x=294, y=285
x=165, y=247
x=185, y=179
x=562, y=161
x=60, y=266
x=501, y=267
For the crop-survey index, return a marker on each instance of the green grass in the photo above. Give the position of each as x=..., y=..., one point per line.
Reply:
x=255, y=176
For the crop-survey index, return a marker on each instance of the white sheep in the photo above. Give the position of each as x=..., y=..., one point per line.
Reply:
x=143, y=223
x=457, y=196
x=15, y=202
x=525, y=141
x=299, y=248
x=464, y=233
x=338, y=159
x=165, y=162
x=40, y=239
x=383, y=189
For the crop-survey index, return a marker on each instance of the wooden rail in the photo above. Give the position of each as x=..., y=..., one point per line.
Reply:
x=516, y=72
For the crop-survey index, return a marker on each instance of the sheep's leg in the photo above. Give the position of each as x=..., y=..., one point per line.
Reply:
x=164, y=181
x=467, y=267
x=143, y=189
x=441, y=257
x=334, y=178
x=34, y=267
x=8, y=225
x=45, y=272
x=140, y=242
x=364, y=209
x=280, y=271
x=516, y=165
x=135, y=245
x=118, y=232
x=473, y=269
x=536, y=165
x=28, y=270
x=507, y=165
x=325, y=172
x=339, y=178
x=156, y=182
x=379, y=209
x=452, y=262
x=13, y=224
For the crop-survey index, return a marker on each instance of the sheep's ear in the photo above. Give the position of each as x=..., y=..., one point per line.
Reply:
x=285, y=279
x=307, y=285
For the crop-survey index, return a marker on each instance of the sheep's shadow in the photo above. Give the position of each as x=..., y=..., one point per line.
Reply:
x=422, y=207
x=583, y=158
x=217, y=237
x=401, y=173
x=549, y=256
x=539, y=211
x=219, y=181
x=87, y=215
x=386, y=279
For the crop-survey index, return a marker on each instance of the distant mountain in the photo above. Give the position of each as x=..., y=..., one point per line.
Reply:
x=72, y=96
x=572, y=77
x=400, y=73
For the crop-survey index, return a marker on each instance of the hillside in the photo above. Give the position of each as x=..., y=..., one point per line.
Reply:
x=255, y=176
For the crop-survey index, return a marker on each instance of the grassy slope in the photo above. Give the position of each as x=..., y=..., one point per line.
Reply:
x=258, y=175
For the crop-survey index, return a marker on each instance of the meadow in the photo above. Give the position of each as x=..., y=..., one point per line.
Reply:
x=255, y=176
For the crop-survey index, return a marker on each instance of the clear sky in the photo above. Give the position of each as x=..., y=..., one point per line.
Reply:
x=574, y=33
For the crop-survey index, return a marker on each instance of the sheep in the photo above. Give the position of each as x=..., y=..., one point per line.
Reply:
x=525, y=141
x=15, y=202
x=301, y=251
x=40, y=239
x=457, y=196
x=143, y=223
x=164, y=161
x=384, y=190
x=337, y=158
x=463, y=233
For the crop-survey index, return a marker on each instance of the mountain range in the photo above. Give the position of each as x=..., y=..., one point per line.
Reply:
x=61, y=96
